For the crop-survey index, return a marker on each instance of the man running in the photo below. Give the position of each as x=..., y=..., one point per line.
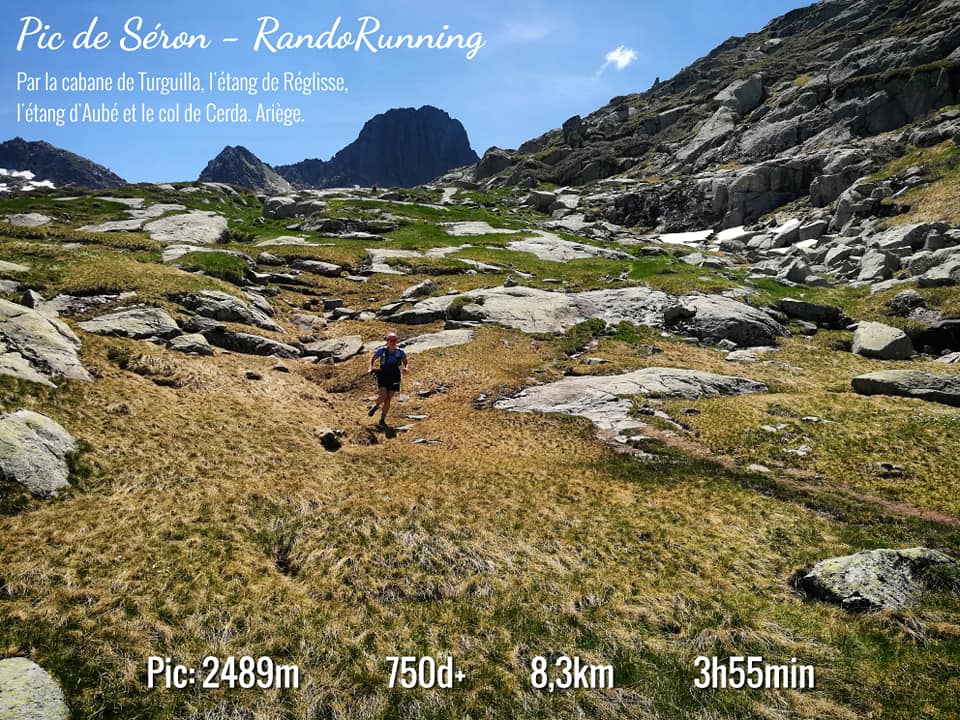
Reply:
x=393, y=362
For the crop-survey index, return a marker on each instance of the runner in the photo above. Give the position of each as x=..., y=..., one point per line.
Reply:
x=393, y=362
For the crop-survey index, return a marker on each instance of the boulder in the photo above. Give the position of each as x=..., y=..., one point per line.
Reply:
x=540, y=200
x=718, y=318
x=33, y=453
x=873, y=579
x=910, y=383
x=318, y=267
x=340, y=349
x=191, y=343
x=45, y=343
x=494, y=161
x=876, y=340
x=905, y=302
x=548, y=246
x=138, y=323
x=248, y=343
x=606, y=399
x=432, y=341
x=742, y=96
x=878, y=265
x=28, y=692
x=222, y=306
x=28, y=219
x=827, y=316
x=942, y=275
x=420, y=289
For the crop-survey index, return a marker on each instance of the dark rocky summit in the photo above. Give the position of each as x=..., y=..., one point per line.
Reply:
x=800, y=109
x=399, y=148
x=238, y=166
x=57, y=165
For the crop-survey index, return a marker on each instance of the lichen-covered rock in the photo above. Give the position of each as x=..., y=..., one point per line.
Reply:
x=45, y=343
x=28, y=692
x=340, y=349
x=137, y=322
x=873, y=579
x=33, y=452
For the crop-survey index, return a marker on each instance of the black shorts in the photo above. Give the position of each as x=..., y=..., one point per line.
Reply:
x=390, y=381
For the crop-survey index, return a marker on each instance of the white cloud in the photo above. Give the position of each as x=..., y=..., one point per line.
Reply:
x=619, y=58
x=524, y=32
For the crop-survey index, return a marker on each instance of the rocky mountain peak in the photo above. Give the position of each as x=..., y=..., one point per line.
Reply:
x=238, y=166
x=59, y=166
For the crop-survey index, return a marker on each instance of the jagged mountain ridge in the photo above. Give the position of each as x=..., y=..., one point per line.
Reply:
x=62, y=167
x=800, y=108
x=238, y=166
x=402, y=147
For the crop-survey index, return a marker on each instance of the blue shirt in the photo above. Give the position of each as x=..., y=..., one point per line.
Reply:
x=390, y=360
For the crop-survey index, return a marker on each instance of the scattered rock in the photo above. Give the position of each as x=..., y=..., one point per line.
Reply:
x=826, y=316
x=910, y=383
x=191, y=343
x=420, y=289
x=253, y=375
x=872, y=579
x=33, y=453
x=330, y=439
x=28, y=219
x=876, y=340
x=247, y=343
x=338, y=349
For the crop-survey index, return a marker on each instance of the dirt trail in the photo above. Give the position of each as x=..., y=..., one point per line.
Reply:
x=792, y=479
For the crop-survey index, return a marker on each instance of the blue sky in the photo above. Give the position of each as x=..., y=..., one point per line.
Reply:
x=543, y=61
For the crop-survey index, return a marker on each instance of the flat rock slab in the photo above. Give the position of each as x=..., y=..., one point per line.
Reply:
x=75, y=304
x=542, y=311
x=286, y=240
x=873, y=579
x=28, y=219
x=33, y=452
x=46, y=343
x=442, y=339
x=910, y=383
x=138, y=323
x=11, y=267
x=131, y=203
x=605, y=399
x=191, y=343
x=114, y=226
x=474, y=227
x=155, y=210
x=197, y=227
x=28, y=692
x=548, y=246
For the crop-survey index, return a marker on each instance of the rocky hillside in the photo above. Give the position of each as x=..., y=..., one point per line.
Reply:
x=399, y=148
x=239, y=166
x=799, y=110
x=59, y=166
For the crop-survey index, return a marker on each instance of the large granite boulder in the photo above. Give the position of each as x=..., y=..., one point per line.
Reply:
x=910, y=383
x=34, y=346
x=876, y=340
x=33, y=453
x=719, y=318
x=873, y=579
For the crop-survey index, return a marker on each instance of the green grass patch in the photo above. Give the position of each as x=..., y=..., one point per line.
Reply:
x=225, y=266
